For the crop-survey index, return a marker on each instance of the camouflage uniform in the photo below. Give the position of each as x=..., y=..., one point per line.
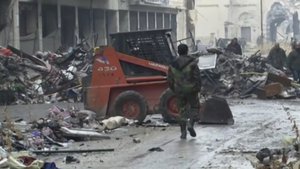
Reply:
x=184, y=80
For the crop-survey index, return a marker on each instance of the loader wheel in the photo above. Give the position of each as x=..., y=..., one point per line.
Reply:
x=132, y=105
x=168, y=106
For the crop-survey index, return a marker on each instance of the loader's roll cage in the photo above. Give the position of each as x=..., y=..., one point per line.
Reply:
x=153, y=45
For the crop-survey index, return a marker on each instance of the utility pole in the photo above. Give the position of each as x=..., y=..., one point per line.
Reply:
x=16, y=25
x=261, y=23
x=40, y=25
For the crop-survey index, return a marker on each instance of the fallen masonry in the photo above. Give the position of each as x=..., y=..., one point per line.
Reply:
x=46, y=77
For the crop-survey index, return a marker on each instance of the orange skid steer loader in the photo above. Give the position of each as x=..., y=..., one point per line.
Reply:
x=130, y=79
x=113, y=93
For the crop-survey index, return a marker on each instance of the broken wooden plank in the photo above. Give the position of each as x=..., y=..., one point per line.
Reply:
x=273, y=89
x=286, y=82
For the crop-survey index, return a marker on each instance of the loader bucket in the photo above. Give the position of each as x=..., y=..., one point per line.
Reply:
x=216, y=111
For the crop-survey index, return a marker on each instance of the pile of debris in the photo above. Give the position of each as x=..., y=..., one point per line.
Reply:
x=57, y=129
x=55, y=134
x=22, y=160
x=52, y=134
x=45, y=77
x=285, y=158
x=51, y=77
x=241, y=76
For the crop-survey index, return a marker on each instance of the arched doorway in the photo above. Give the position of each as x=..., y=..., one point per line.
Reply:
x=276, y=16
x=246, y=24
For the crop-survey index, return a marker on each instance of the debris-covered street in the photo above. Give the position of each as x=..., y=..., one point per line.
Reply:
x=259, y=124
x=151, y=84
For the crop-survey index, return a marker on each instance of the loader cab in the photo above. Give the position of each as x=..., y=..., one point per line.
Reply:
x=152, y=45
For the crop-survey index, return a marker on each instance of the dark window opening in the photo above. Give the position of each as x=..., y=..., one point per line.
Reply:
x=133, y=21
x=84, y=16
x=28, y=19
x=151, y=20
x=174, y=27
x=49, y=19
x=167, y=21
x=132, y=70
x=159, y=20
x=67, y=26
x=143, y=21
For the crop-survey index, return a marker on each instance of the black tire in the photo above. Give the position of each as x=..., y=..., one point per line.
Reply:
x=136, y=101
x=168, y=115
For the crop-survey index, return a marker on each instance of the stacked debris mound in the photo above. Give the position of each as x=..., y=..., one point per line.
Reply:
x=60, y=128
x=57, y=132
x=62, y=125
x=242, y=77
x=45, y=77
x=56, y=129
x=20, y=141
x=287, y=158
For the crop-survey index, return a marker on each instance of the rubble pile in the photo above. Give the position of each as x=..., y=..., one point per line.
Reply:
x=51, y=77
x=241, y=76
x=287, y=158
x=60, y=127
x=57, y=129
x=21, y=143
x=45, y=77
x=51, y=134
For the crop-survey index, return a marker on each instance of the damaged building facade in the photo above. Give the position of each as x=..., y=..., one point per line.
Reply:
x=50, y=25
x=247, y=19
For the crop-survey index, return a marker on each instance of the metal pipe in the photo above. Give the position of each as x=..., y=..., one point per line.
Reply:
x=40, y=25
x=72, y=151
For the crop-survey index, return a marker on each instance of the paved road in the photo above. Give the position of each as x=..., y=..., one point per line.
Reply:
x=33, y=111
x=259, y=124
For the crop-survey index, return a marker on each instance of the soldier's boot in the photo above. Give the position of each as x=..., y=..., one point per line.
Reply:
x=190, y=126
x=183, y=130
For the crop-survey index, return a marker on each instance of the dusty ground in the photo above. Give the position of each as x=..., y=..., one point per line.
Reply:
x=258, y=124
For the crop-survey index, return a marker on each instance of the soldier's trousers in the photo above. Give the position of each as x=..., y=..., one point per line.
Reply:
x=188, y=106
